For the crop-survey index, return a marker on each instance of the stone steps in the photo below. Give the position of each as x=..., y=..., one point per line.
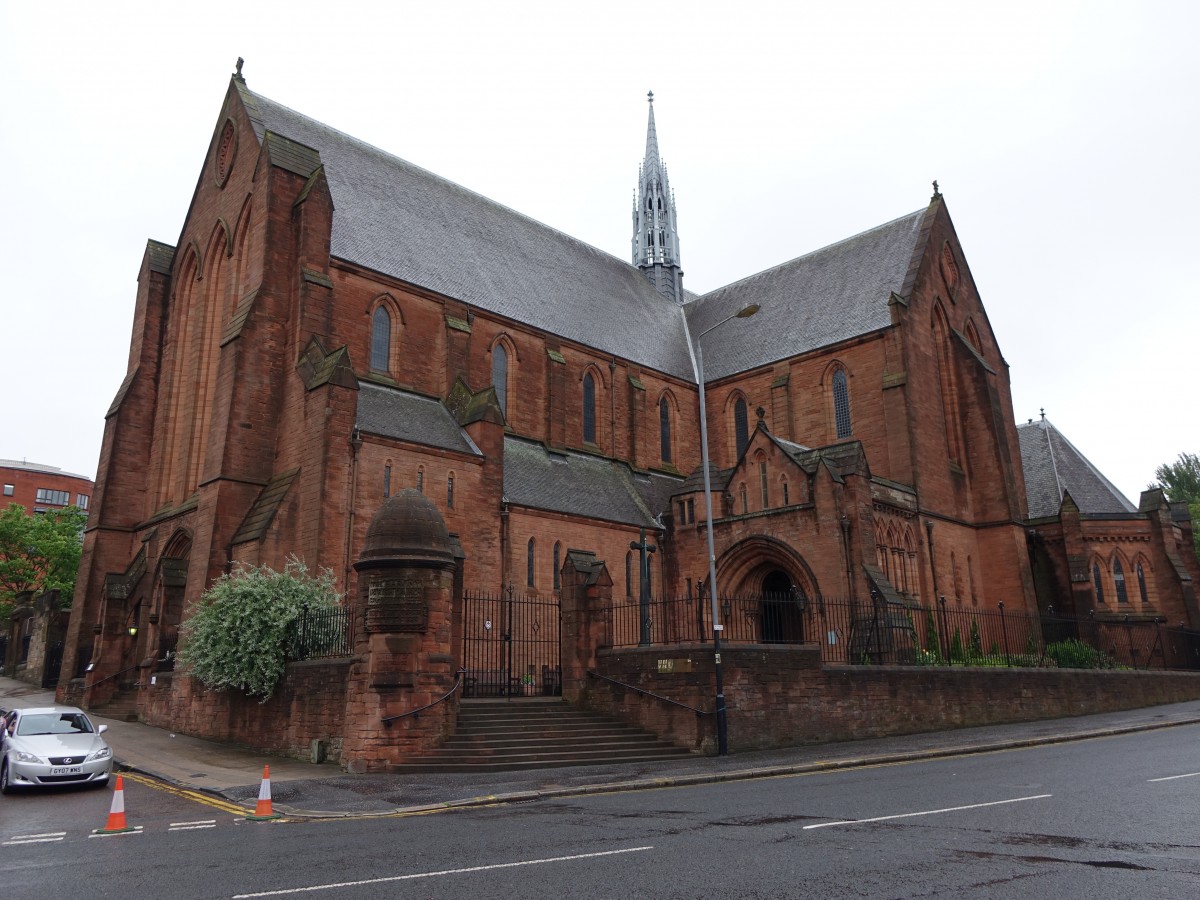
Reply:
x=537, y=733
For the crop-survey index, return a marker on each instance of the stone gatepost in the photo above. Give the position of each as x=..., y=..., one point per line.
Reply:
x=404, y=618
x=586, y=611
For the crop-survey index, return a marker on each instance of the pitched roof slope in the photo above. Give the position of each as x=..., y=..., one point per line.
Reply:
x=401, y=220
x=1053, y=466
x=410, y=417
x=827, y=296
x=582, y=485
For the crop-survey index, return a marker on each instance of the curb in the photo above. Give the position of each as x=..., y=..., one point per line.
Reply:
x=775, y=771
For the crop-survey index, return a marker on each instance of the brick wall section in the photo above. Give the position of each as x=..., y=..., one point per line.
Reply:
x=309, y=705
x=780, y=697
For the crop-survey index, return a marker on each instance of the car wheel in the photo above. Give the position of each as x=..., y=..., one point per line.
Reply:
x=5, y=785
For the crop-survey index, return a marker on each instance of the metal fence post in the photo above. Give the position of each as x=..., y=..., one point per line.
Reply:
x=1004, y=632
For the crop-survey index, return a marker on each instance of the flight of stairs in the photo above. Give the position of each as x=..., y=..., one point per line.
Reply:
x=538, y=733
x=122, y=707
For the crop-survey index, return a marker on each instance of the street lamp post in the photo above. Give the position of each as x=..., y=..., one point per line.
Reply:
x=722, y=730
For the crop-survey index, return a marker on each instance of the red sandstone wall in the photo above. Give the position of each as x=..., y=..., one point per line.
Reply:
x=779, y=697
x=309, y=705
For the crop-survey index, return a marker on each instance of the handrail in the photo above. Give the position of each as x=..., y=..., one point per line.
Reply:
x=111, y=677
x=458, y=680
x=633, y=687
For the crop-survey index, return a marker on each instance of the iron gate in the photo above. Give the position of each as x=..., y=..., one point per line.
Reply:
x=511, y=645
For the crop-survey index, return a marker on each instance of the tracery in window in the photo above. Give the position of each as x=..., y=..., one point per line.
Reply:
x=381, y=339
x=664, y=430
x=741, y=425
x=1119, y=581
x=500, y=375
x=841, y=404
x=589, y=409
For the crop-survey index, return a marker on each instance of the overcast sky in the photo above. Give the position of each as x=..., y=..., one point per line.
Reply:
x=1064, y=136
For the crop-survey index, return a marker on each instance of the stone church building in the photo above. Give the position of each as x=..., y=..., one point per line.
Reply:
x=334, y=325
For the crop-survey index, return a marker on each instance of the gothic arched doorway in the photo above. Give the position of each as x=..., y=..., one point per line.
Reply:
x=781, y=609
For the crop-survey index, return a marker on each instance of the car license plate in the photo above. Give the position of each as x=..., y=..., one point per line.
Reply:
x=66, y=770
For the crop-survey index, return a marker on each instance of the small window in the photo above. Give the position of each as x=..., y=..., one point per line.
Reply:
x=741, y=425
x=682, y=513
x=785, y=493
x=762, y=484
x=557, y=566
x=450, y=490
x=841, y=403
x=1099, y=585
x=53, y=498
x=629, y=573
x=82, y=500
x=420, y=479
x=529, y=566
x=1119, y=582
x=1141, y=576
x=589, y=409
x=500, y=376
x=381, y=339
x=691, y=511
x=8, y=490
x=664, y=429
x=387, y=481
x=745, y=503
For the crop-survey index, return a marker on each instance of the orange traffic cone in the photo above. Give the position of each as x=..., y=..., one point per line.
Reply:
x=116, y=814
x=262, y=809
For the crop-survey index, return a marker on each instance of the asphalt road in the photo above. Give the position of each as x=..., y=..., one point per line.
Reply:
x=1114, y=817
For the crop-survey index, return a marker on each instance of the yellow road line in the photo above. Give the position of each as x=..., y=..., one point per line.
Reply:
x=183, y=793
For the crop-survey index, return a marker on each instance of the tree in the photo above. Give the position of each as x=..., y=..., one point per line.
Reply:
x=1180, y=481
x=244, y=630
x=39, y=553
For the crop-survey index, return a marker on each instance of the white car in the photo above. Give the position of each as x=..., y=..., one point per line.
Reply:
x=52, y=745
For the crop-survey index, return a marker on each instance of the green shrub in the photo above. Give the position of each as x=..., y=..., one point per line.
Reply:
x=1075, y=654
x=244, y=630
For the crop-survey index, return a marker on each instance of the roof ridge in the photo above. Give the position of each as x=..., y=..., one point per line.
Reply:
x=796, y=259
x=367, y=145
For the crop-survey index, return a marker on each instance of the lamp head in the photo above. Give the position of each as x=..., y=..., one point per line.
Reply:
x=747, y=311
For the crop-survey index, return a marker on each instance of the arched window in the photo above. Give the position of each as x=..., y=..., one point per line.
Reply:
x=1097, y=582
x=420, y=479
x=1119, y=582
x=743, y=497
x=557, y=566
x=784, y=485
x=387, y=480
x=1141, y=576
x=741, y=425
x=381, y=339
x=529, y=567
x=664, y=429
x=589, y=409
x=500, y=376
x=450, y=491
x=841, y=403
x=629, y=574
x=762, y=484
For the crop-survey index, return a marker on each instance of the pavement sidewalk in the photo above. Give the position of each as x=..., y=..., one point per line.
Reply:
x=304, y=789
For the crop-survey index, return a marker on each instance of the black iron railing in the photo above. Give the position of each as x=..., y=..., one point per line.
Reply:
x=322, y=634
x=873, y=631
x=416, y=713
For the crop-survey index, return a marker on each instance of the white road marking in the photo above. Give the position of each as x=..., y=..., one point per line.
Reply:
x=1173, y=777
x=527, y=862
x=928, y=812
x=191, y=827
x=47, y=837
x=191, y=824
x=137, y=829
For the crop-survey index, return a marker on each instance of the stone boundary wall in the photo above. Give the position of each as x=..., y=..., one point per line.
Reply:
x=781, y=696
x=310, y=704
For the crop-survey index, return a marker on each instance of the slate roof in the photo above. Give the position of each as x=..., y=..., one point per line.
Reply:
x=1052, y=465
x=263, y=510
x=827, y=296
x=399, y=219
x=410, y=417
x=582, y=485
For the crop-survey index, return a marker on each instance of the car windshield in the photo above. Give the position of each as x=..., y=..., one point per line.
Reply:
x=54, y=723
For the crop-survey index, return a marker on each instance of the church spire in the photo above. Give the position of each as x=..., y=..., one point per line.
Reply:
x=655, y=238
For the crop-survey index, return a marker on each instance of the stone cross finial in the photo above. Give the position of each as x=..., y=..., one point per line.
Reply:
x=238, y=73
x=936, y=192
x=650, y=96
